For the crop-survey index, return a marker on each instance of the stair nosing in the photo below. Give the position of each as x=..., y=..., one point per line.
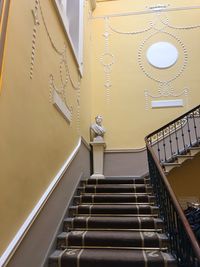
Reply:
x=117, y=229
x=117, y=248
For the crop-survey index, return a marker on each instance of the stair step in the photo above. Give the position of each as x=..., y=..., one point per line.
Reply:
x=113, y=180
x=114, y=223
x=116, y=188
x=93, y=199
x=113, y=209
x=111, y=257
x=118, y=223
x=117, y=194
x=194, y=150
x=183, y=158
x=111, y=238
x=170, y=166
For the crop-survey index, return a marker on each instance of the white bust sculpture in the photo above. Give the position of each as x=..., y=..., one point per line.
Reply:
x=97, y=129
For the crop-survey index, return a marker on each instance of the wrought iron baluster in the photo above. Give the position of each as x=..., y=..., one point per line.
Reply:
x=183, y=136
x=189, y=130
x=164, y=145
x=195, y=128
x=158, y=147
x=176, y=137
x=170, y=142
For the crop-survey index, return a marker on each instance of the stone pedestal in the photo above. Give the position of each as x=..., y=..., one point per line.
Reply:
x=98, y=146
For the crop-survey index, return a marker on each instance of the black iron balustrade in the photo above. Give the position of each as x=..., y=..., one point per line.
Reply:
x=176, y=137
x=164, y=145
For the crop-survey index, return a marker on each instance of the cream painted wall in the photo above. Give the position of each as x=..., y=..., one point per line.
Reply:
x=125, y=117
x=185, y=180
x=35, y=139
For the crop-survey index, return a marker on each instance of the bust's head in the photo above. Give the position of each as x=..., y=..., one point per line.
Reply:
x=98, y=119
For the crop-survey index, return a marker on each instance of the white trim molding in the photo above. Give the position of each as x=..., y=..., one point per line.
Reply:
x=126, y=150
x=14, y=244
x=61, y=107
x=77, y=48
x=167, y=103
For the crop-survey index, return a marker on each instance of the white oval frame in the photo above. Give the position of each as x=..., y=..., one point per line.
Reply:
x=162, y=55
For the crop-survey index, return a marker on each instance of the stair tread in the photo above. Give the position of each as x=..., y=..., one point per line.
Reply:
x=172, y=164
x=116, y=185
x=112, y=257
x=184, y=156
x=105, y=234
x=143, y=222
x=113, y=209
x=115, y=196
x=119, y=180
x=114, y=223
x=112, y=239
x=117, y=193
x=194, y=148
x=116, y=188
x=113, y=206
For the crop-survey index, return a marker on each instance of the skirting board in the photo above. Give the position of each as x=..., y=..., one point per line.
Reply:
x=33, y=215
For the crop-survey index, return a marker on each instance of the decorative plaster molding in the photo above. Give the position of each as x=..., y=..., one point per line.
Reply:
x=165, y=87
x=167, y=103
x=166, y=91
x=158, y=7
x=34, y=35
x=78, y=99
x=162, y=55
x=148, y=28
x=188, y=27
x=147, y=11
x=107, y=60
x=141, y=53
x=60, y=105
x=64, y=71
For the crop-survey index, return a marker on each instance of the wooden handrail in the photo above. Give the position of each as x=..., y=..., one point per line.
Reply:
x=176, y=204
x=4, y=11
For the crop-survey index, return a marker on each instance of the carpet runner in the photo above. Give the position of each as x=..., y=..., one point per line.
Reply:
x=113, y=222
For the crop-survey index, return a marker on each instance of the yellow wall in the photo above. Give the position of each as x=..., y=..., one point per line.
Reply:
x=35, y=139
x=125, y=117
x=185, y=180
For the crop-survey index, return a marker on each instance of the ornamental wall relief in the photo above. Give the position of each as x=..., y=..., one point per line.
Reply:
x=159, y=29
x=58, y=88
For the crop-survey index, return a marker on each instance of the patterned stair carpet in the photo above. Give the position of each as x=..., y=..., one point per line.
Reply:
x=113, y=223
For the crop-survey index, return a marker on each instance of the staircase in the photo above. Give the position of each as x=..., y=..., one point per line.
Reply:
x=113, y=222
x=178, y=160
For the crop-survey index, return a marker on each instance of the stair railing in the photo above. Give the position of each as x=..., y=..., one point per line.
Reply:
x=4, y=10
x=164, y=145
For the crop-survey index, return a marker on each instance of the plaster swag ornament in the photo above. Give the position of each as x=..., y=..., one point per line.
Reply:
x=159, y=24
x=58, y=87
x=107, y=60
